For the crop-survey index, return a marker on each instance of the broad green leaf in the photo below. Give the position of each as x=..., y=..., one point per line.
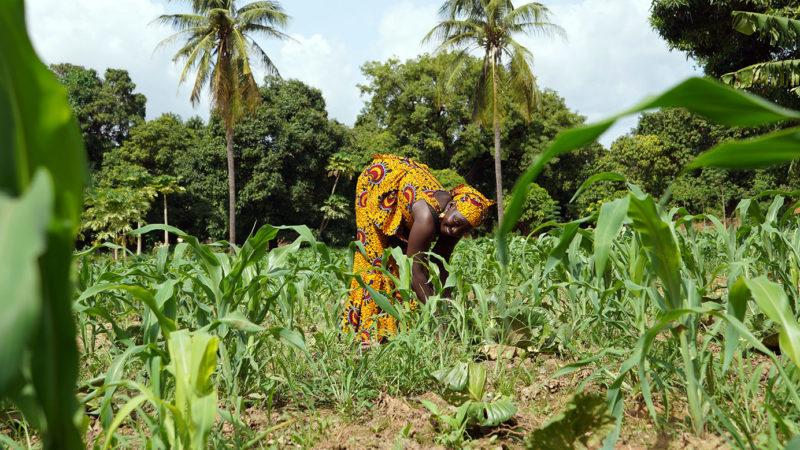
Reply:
x=612, y=214
x=738, y=297
x=774, y=148
x=167, y=325
x=203, y=251
x=492, y=414
x=660, y=243
x=290, y=337
x=772, y=300
x=38, y=130
x=124, y=412
x=383, y=303
x=455, y=378
x=430, y=406
x=605, y=176
x=702, y=96
x=778, y=28
x=237, y=320
x=204, y=395
x=567, y=234
x=23, y=234
x=476, y=381
x=750, y=209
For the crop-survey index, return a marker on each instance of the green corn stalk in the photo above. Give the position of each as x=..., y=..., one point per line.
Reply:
x=42, y=174
x=187, y=419
x=717, y=103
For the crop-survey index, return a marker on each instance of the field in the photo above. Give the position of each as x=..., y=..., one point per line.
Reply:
x=190, y=343
x=639, y=325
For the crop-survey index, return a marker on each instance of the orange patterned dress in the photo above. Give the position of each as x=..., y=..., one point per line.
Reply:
x=385, y=192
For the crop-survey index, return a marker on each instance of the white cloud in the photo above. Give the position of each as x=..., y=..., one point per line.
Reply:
x=327, y=65
x=99, y=34
x=401, y=29
x=611, y=60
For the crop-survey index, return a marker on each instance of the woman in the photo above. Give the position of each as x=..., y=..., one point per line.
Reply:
x=399, y=203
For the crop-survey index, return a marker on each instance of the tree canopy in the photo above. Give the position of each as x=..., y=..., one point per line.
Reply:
x=106, y=108
x=704, y=30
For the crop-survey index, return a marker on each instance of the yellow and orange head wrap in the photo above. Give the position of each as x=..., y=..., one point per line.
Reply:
x=471, y=204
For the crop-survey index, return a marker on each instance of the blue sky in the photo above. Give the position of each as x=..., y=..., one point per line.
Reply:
x=611, y=60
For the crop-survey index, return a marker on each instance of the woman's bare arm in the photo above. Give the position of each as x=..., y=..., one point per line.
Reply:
x=420, y=238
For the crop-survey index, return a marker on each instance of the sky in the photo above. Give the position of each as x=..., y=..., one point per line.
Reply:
x=610, y=60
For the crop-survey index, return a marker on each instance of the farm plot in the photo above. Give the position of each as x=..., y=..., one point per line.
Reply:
x=586, y=334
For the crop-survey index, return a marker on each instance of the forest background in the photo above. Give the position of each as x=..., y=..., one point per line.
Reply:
x=295, y=165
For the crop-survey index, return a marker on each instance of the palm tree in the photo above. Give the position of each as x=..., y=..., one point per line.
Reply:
x=218, y=46
x=490, y=26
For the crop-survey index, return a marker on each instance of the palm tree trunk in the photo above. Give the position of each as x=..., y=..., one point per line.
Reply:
x=231, y=188
x=166, y=234
x=498, y=173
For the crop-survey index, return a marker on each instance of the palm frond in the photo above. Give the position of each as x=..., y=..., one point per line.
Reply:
x=482, y=94
x=201, y=48
x=451, y=9
x=522, y=83
x=203, y=71
x=457, y=68
x=514, y=49
x=181, y=21
x=192, y=32
x=448, y=28
x=218, y=47
x=775, y=73
x=265, y=30
x=262, y=13
x=265, y=59
x=778, y=29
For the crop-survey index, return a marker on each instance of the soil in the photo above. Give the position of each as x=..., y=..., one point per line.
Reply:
x=405, y=423
x=394, y=422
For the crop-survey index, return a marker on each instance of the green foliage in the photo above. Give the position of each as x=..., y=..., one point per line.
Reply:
x=42, y=172
x=704, y=31
x=411, y=111
x=538, y=208
x=779, y=30
x=449, y=178
x=465, y=386
x=110, y=212
x=583, y=423
x=493, y=26
x=399, y=118
x=193, y=409
x=107, y=109
x=219, y=46
x=661, y=146
x=680, y=296
x=159, y=146
x=283, y=177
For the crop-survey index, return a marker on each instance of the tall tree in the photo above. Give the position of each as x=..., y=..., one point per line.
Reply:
x=107, y=109
x=491, y=26
x=406, y=114
x=218, y=46
x=704, y=30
